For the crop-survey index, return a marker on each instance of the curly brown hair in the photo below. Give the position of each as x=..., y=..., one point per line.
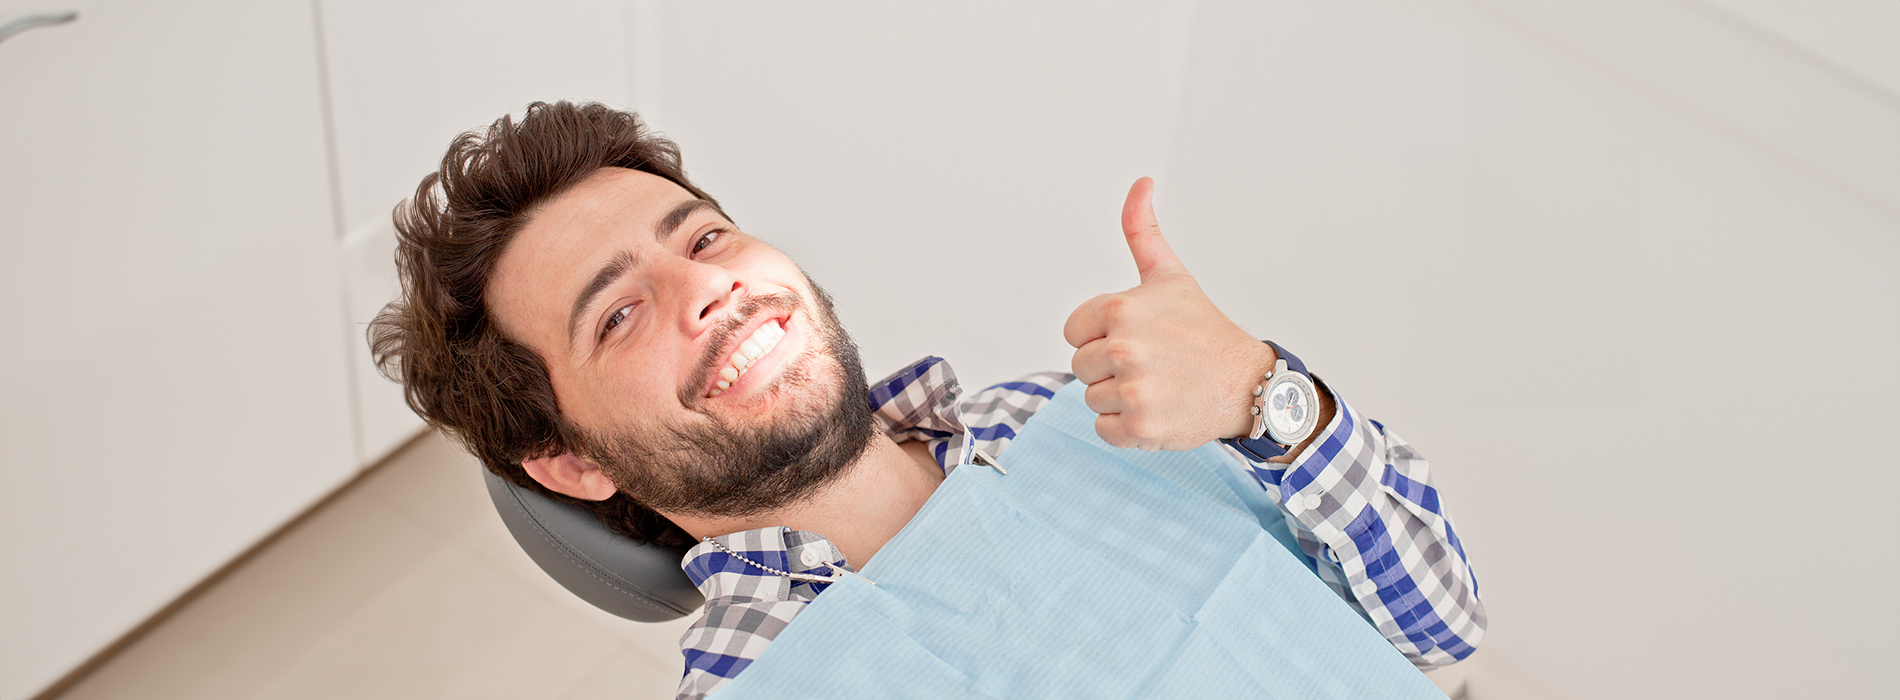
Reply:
x=459, y=371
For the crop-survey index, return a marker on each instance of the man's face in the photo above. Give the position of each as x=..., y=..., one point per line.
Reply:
x=706, y=373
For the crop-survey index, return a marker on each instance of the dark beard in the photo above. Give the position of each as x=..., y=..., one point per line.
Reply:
x=711, y=467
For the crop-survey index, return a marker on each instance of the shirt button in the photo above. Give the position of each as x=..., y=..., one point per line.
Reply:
x=1312, y=501
x=811, y=558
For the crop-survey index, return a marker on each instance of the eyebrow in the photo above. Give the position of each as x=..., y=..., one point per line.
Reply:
x=618, y=267
x=624, y=262
x=671, y=222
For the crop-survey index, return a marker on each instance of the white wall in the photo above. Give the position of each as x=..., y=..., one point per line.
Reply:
x=1625, y=270
x=882, y=145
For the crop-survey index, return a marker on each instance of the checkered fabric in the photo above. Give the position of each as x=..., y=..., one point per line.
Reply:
x=1359, y=501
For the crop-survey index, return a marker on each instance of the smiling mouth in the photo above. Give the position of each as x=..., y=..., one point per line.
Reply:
x=747, y=355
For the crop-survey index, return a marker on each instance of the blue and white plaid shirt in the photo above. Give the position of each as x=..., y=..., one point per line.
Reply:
x=1359, y=500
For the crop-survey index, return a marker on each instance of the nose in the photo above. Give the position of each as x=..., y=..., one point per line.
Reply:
x=707, y=292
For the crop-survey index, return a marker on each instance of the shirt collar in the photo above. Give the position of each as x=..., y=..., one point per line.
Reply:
x=918, y=402
x=735, y=565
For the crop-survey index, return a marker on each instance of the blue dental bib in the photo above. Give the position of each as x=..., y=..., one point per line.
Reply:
x=1085, y=572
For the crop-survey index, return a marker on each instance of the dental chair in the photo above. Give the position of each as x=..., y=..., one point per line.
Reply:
x=636, y=581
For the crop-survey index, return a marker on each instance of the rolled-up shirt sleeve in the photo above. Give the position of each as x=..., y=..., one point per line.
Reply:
x=1362, y=505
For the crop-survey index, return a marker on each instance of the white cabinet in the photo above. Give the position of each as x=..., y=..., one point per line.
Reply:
x=174, y=382
x=190, y=266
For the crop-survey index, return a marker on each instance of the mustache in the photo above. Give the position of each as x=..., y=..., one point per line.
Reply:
x=693, y=393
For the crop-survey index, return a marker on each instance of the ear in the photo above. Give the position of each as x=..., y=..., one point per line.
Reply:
x=574, y=476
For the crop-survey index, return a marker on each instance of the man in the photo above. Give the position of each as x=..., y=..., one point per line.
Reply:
x=573, y=305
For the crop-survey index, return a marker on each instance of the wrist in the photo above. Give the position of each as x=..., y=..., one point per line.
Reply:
x=1286, y=412
x=1258, y=361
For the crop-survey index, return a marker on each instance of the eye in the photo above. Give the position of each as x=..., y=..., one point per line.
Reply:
x=615, y=319
x=706, y=241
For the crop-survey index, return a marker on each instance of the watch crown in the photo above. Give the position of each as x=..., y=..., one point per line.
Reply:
x=1257, y=390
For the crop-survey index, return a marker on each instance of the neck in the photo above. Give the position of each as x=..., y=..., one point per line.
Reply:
x=859, y=512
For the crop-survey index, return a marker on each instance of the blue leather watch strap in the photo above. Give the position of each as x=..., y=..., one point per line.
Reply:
x=1292, y=363
x=1265, y=448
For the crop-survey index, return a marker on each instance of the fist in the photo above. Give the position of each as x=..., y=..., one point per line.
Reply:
x=1166, y=370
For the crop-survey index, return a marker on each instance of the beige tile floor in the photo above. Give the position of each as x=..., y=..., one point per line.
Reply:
x=408, y=586
x=405, y=586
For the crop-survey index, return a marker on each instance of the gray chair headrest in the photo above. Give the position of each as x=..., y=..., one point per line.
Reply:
x=636, y=581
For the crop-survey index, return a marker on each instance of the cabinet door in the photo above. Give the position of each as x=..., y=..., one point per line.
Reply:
x=175, y=384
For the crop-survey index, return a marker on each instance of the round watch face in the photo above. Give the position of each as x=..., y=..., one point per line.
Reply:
x=1292, y=407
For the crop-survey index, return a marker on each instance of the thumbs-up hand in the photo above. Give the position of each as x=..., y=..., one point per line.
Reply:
x=1165, y=369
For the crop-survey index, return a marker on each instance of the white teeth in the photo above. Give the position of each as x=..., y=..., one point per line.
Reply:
x=748, y=354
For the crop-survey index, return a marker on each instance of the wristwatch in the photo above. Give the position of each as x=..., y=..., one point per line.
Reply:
x=1286, y=409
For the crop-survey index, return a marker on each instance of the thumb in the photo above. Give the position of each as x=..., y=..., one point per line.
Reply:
x=1153, y=257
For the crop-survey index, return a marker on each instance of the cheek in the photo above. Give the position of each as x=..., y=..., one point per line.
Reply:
x=603, y=400
x=770, y=267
